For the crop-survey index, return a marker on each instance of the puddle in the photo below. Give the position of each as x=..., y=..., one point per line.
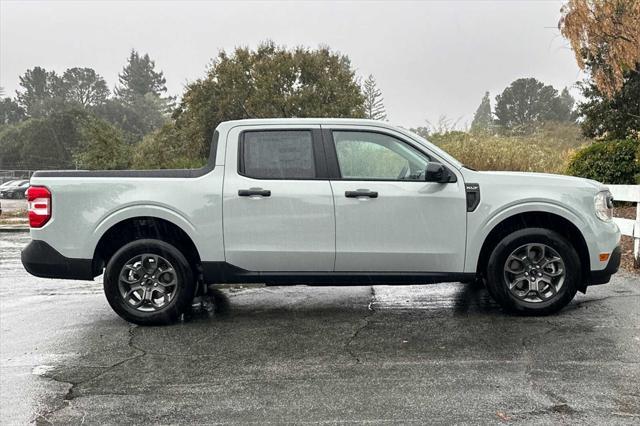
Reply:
x=42, y=370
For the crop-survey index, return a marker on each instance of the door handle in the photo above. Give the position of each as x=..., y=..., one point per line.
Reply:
x=361, y=193
x=254, y=191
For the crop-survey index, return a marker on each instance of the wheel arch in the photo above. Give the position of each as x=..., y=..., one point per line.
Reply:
x=142, y=227
x=541, y=219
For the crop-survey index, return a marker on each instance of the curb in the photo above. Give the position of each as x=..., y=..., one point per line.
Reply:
x=4, y=228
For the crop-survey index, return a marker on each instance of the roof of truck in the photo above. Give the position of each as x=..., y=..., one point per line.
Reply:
x=308, y=121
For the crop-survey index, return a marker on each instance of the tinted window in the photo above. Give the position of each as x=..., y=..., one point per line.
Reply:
x=286, y=154
x=368, y=155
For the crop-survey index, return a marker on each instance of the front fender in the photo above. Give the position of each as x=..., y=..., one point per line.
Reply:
x=480, y=225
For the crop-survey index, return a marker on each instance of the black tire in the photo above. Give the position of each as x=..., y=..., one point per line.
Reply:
x=496, y=276
x=184, y=289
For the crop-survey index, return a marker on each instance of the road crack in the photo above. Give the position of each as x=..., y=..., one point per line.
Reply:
x=364, y=323
x=43, y=418
x=558, y=403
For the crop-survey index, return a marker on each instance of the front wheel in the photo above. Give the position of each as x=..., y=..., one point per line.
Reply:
x=533, y=271
x=149, y=282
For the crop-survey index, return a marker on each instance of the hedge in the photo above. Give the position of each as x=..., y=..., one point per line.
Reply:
x=614, y=162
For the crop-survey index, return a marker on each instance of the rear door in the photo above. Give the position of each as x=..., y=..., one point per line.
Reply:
x=388, y=219
x=278, y=205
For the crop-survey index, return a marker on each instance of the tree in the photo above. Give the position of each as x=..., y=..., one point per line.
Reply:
x=139, y=78
x=605, y=37
x=41, y=89
x=83, y=87
x=167, y=148
x=101, y=147
x=43, y=143
x=267, y=82
x=139, y=107
x=612, y=117
x=143, y=115
x=563, y=109
x=373, y=100
x=482, y=119
x=10, y=112
x=527, y=103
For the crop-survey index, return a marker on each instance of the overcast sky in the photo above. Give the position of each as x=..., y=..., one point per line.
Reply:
x=429, y=58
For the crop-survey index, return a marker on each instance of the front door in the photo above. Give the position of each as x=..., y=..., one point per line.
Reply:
x=388, y=219
x=277, y=209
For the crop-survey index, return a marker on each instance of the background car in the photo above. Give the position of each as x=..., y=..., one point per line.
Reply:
x=9, y=183
x=16, y=189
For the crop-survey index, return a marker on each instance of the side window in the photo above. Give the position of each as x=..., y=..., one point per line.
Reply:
x=282, y=154
x=368, y=155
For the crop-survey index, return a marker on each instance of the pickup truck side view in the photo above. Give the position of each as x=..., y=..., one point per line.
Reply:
x=320, y=201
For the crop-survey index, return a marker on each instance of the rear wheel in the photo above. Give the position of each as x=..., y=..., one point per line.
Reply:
x=149, y=282
x=533, y=271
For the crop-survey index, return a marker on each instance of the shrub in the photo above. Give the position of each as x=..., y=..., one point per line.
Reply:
x=102, y=147
x=547, y=150
x=167, y=148
x=614, y=162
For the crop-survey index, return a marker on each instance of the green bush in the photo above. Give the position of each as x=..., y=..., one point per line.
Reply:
x=614, y=162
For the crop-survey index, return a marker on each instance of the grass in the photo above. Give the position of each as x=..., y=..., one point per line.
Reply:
x=13, y=217
x=548, y=150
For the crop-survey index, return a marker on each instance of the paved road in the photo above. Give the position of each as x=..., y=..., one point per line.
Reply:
x=439, y=354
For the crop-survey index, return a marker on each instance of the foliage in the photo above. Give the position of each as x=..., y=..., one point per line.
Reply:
x=101, y=146
x=136, y=119
x=41, y=143
x=139, y=107
x=545, y=150
x=139, y=77
x=615, y=117
x=605, y=36
x=10, y=112
x=83, y=87
x=614, y=162
x=527, y=103
x=267, y=82
x=373, y=100
x=167, y=148
x=482, y=119
x=40, y=90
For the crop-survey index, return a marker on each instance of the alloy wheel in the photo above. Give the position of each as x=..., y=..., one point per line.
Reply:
x=148, y=282
x=534, y=273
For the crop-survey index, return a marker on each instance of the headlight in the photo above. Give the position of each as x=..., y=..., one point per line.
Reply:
x=604, y=205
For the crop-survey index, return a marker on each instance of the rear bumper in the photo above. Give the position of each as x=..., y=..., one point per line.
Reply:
x=604, y=276
x=42, y=260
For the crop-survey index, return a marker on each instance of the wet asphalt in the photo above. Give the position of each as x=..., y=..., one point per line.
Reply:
x=441, y=353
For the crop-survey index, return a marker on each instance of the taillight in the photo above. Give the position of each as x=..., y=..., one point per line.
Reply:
x=39, y=202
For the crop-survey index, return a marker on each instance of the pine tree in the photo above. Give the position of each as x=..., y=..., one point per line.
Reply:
x=373, y=101
x=139, y=77
x=482, y=118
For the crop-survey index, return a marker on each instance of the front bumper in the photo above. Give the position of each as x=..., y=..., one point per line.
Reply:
x=42, y=260
x=604, y=276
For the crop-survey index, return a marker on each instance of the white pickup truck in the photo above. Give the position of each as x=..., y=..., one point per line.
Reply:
x=320, y=201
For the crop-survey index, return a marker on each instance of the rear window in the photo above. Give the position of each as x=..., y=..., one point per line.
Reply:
x=281, y=154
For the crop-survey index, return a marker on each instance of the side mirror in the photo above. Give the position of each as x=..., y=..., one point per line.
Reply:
x=436, y=172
